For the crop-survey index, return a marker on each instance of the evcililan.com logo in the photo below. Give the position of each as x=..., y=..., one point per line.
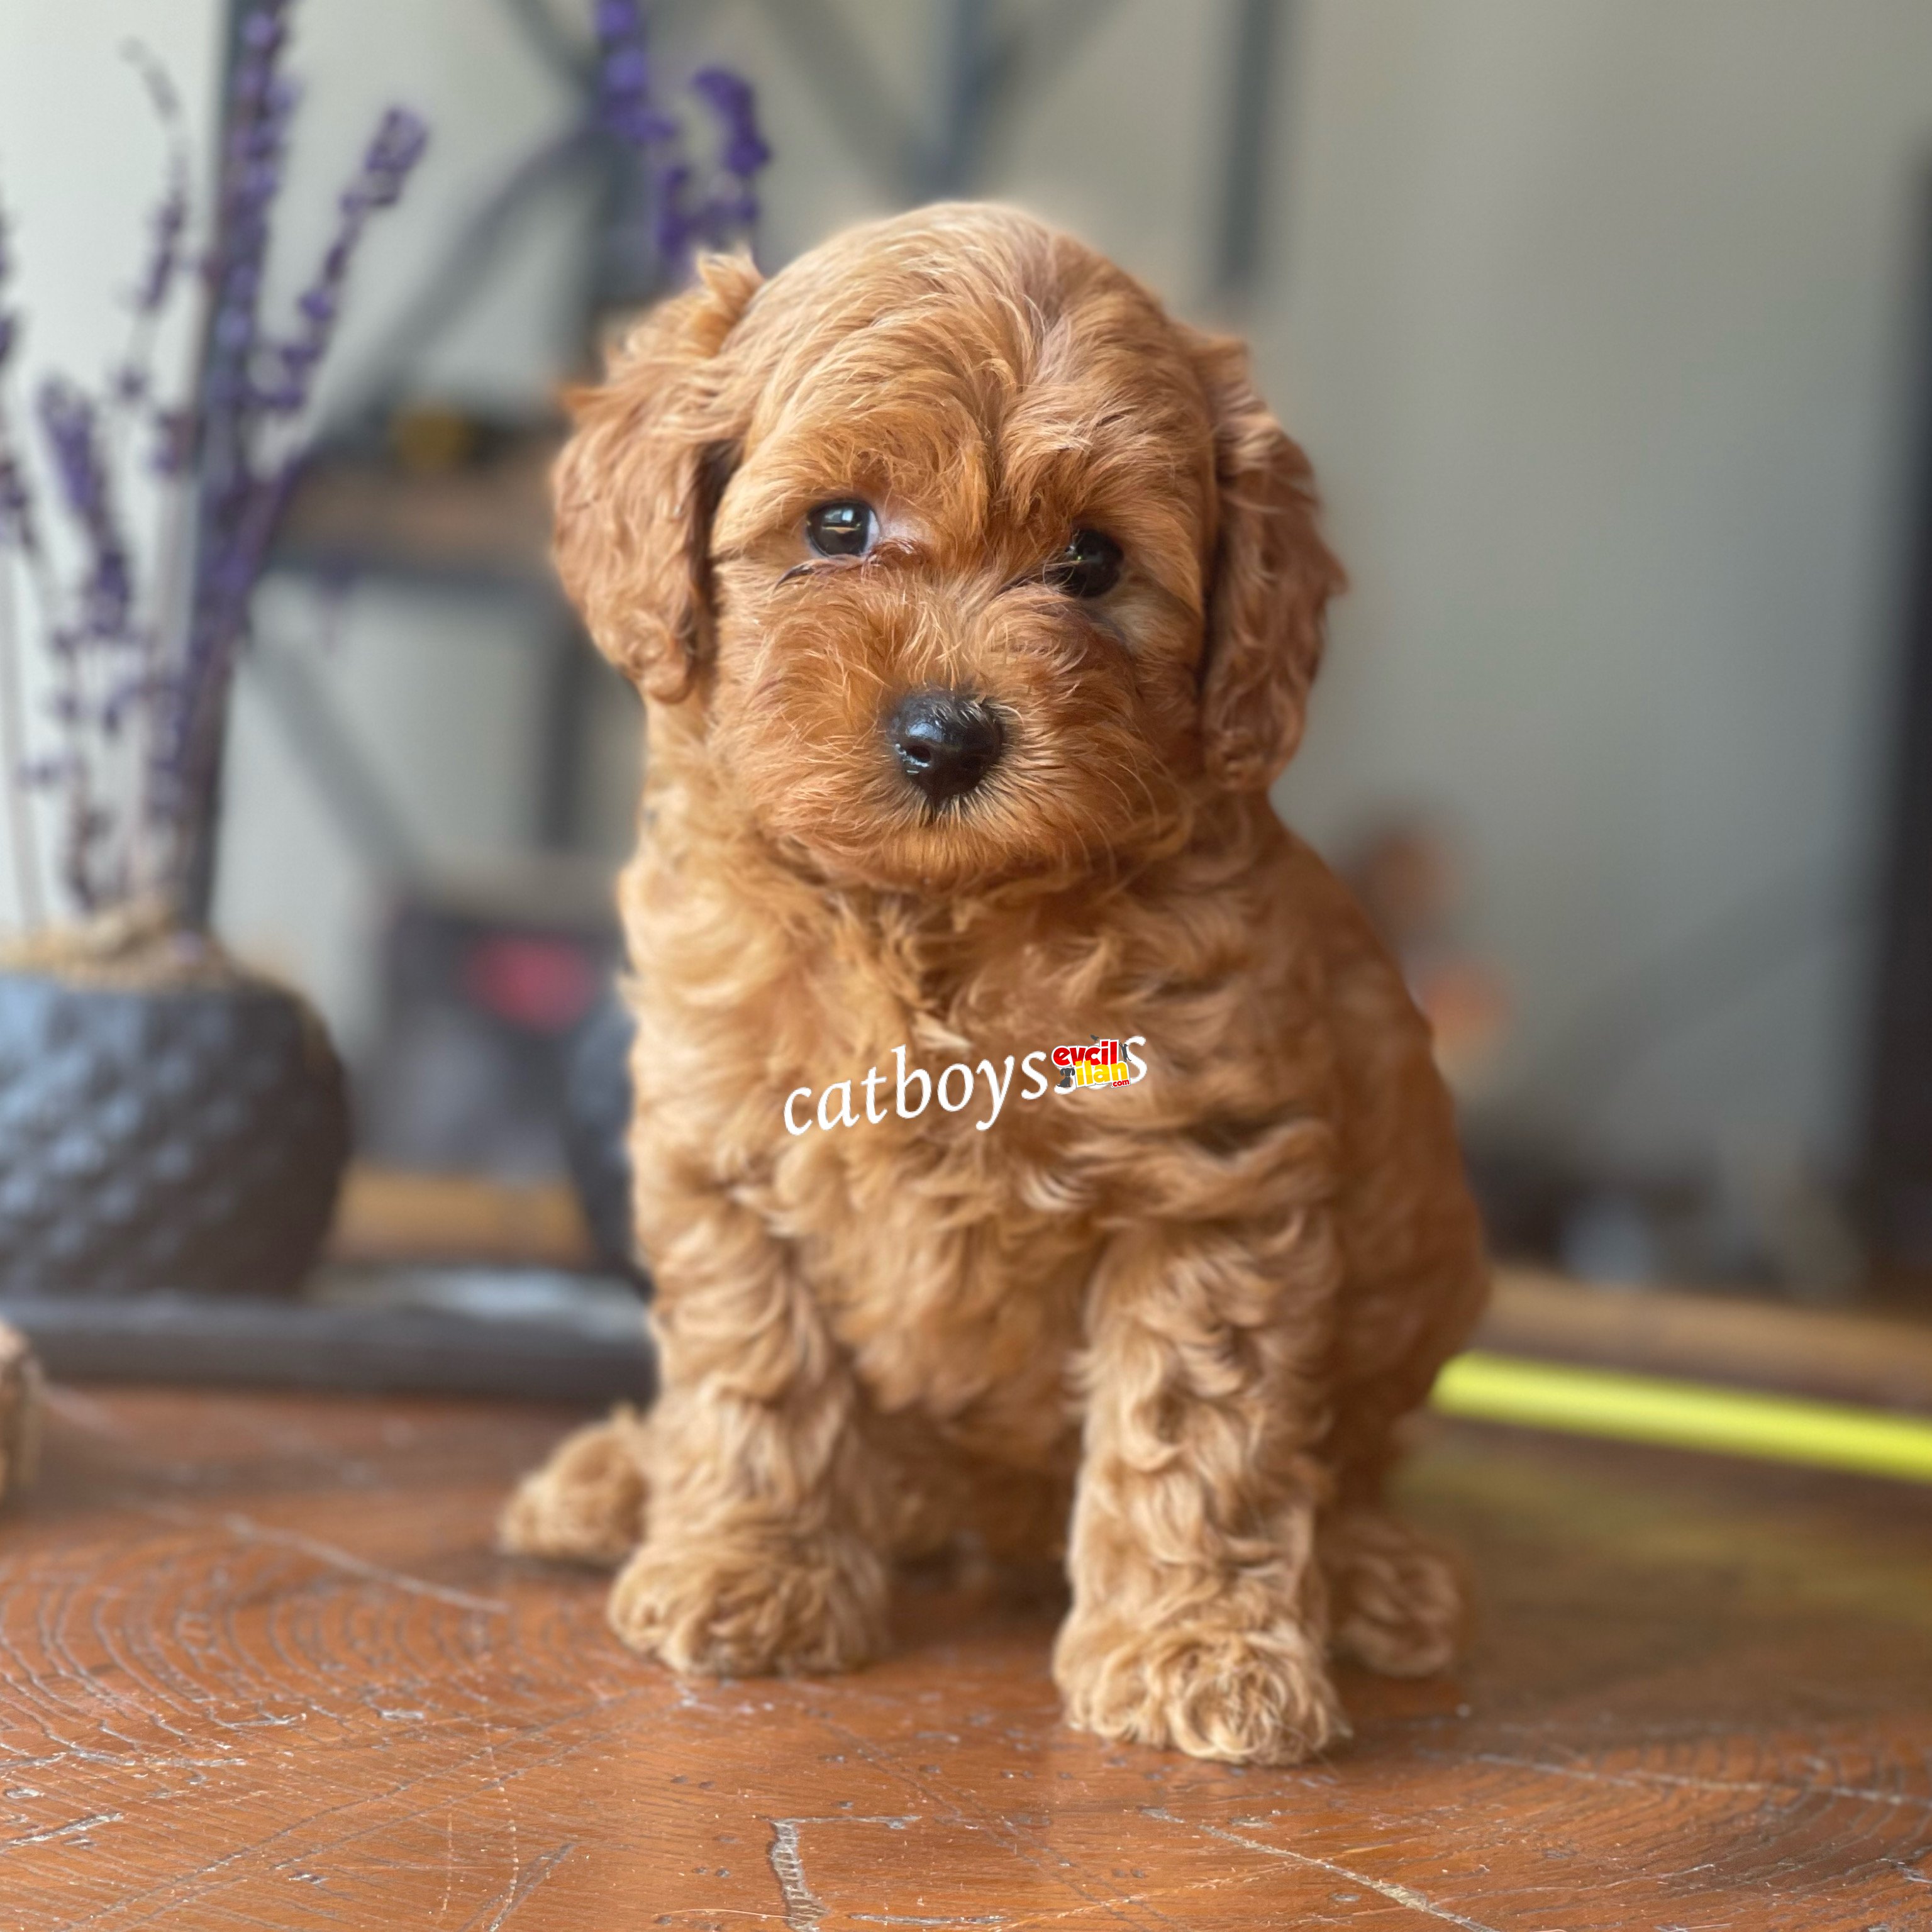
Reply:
x=1101, y=1063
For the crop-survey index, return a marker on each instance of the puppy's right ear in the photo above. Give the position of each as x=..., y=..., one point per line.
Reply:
x=640, y=479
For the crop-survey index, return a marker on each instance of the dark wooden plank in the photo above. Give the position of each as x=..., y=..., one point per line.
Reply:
x=594, y=1348
x=367, y=1346
x=258, y=1667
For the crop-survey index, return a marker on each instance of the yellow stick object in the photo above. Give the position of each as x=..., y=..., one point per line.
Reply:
x=1685, y=1415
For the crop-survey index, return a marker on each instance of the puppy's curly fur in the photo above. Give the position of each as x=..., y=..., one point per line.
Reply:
x=1170, y=1327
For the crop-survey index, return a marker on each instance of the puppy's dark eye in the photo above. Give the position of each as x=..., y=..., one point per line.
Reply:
x=847, y=528
x=1090, y=565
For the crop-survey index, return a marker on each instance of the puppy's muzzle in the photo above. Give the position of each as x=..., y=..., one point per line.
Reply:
x=945, y=744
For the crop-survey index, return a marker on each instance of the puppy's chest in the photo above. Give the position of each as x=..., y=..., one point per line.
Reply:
x=951, y=1238
x=937, y=1198
x=952, y=1266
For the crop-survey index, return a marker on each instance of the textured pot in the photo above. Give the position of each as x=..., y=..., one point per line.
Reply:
x=187, y=1137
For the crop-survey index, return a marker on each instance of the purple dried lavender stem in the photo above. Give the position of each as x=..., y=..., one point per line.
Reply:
x=73, y=429
x=176, y=432
x=161, y=276
x=624, y=103
x=19, y=526
x=71, y=426
x=391, y=156
x=21, y=833
x=625, y=108
x=192, y=777
x=730, y=210
x=132, y=384
x=169, y=221
x=87, y=826
x=168, y=617
x=17, y=534
x=86, y=443
x=130, y=388
x=732, y=98
x=258, y=105
x=246, y=382
x=84, y=446
x=248, y=508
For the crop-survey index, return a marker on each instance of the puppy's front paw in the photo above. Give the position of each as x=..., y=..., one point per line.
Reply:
x=1207, y=1688
x=587, y=1503
x=726, y=1609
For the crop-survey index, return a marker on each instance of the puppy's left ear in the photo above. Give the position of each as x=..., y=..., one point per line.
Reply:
x=1273, y=578
x=639, y=480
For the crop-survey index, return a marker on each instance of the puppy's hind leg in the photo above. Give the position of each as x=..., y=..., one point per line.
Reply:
x=1398, y=1602
x=585, y=1503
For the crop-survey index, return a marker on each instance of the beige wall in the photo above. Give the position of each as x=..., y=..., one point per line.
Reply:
x=1595, y=322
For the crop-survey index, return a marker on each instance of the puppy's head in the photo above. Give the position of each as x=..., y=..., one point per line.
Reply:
x=971, y=562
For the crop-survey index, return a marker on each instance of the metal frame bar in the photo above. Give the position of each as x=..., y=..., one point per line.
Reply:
x=983, y=74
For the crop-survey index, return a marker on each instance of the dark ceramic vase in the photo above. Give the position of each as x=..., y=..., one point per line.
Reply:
x=190, y=1137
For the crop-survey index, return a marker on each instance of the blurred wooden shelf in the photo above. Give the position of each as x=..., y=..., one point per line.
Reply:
x=389, y=1214
x=1839, y=1354
x=484, y=524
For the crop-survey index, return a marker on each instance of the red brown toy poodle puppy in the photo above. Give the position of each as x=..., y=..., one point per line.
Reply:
x=975, y=604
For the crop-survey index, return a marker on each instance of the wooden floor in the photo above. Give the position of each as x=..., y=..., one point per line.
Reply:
x=258, y=1669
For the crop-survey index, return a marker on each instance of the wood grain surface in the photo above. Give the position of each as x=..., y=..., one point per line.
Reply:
x=259, y=1669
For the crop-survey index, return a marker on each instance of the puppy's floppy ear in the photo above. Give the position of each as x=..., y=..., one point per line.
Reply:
x=1273, y=578
x=638, y=482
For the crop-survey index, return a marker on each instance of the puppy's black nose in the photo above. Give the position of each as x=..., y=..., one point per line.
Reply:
x=945, y=744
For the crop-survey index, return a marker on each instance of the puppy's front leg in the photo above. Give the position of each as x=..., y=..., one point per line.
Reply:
x=761, y=1551
x=1199, y=1619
